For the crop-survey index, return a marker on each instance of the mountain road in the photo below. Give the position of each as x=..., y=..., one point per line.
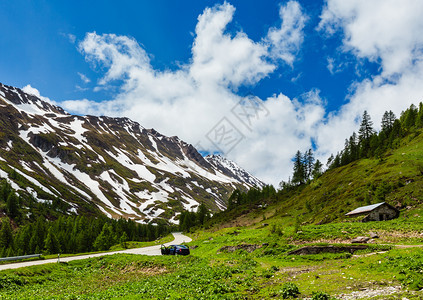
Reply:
x=151, y=250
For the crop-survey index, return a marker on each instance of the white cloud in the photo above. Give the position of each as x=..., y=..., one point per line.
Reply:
x=331, y=65
x=72, y=38
x=84, y=78
x=191, y=100
x=286, y=41
x=269, y=147
x=219, y=59
x=33, y=91
x=384, y=31
x=121, y=54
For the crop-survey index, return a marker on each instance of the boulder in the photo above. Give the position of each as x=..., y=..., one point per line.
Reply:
x=360, y=240
x=247, y=247
x=373, y=235
x=326, y=249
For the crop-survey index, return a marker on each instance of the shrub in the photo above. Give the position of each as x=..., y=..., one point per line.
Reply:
x=320, y=296
x=289, y=290
x=8, y=281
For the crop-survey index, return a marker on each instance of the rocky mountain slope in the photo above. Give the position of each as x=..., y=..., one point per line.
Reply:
x=112, y=165
x=231, y=169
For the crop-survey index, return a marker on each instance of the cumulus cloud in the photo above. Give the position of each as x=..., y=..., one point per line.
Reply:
x=387, y=32
x=192, y=100
x=200, y=96
x=33, y=91
x=219, y=59
x=269, y=147
x=286, y=41
x=121, y=54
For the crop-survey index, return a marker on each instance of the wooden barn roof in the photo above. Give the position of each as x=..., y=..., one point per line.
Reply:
x=364, y=209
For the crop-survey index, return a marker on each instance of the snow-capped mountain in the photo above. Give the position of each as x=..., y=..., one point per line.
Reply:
x=232, y=170
x=112, y=165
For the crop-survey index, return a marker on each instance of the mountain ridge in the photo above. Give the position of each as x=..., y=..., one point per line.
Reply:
x=116, y=164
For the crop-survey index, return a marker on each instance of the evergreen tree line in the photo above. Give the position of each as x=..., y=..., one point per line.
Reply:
x=10, y=199
x=25, y=208
x=73, y=234
x=252, y=196
x=240, y=202
x=190, y=219
x=369, y=143
x=305, y=169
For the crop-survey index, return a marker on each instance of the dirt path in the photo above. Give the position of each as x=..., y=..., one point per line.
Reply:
x=396, y=246
x=389, y=290
x=152, y=250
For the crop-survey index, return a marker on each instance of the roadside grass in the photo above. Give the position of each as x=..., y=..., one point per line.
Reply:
x=273, y=230
x=117, y=247
x=407, y=230
x=212, y=275
x=132, y=244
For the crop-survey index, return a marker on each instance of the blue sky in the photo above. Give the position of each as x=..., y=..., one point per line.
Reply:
x=184, y=66
x=36, y=48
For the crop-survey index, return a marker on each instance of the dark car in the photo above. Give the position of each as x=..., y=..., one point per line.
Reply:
x=174, y=250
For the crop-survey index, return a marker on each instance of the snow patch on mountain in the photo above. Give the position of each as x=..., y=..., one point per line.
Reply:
x=112, y=163
x=231, y=169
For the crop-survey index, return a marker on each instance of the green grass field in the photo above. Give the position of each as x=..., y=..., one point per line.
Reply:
x=209, y=273
x=393, y=262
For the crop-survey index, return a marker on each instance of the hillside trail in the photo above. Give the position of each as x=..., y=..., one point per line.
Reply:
x=179, y=238
x=397, y=246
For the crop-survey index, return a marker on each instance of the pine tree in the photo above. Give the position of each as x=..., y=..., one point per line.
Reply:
x=299, y=171
x=419, y=121
x=396, y=132
x=202, y=214
x=36, y=243
x=308, y=163
x=330, y=161
x=353, y=146
x=12, y=205
x=388, y=120
x=104, y=240
x=374, y=145
x=235, y=199
x=336, y=162
x=21, y=240
x=345, y=154
x=5, y=190
x=151, y=231
x=123, y=240
x=51, y=243
x=317, y=169
x=409, y=117
x=83, y=241
x=6, y=235
x=364, y=134
x=366, y=127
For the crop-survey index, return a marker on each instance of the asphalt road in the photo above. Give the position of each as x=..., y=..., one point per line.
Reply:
x=152, y=250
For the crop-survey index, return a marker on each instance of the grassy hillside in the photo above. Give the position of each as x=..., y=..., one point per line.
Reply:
x=243, y=253
x=396, y=177
x=211, y=272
